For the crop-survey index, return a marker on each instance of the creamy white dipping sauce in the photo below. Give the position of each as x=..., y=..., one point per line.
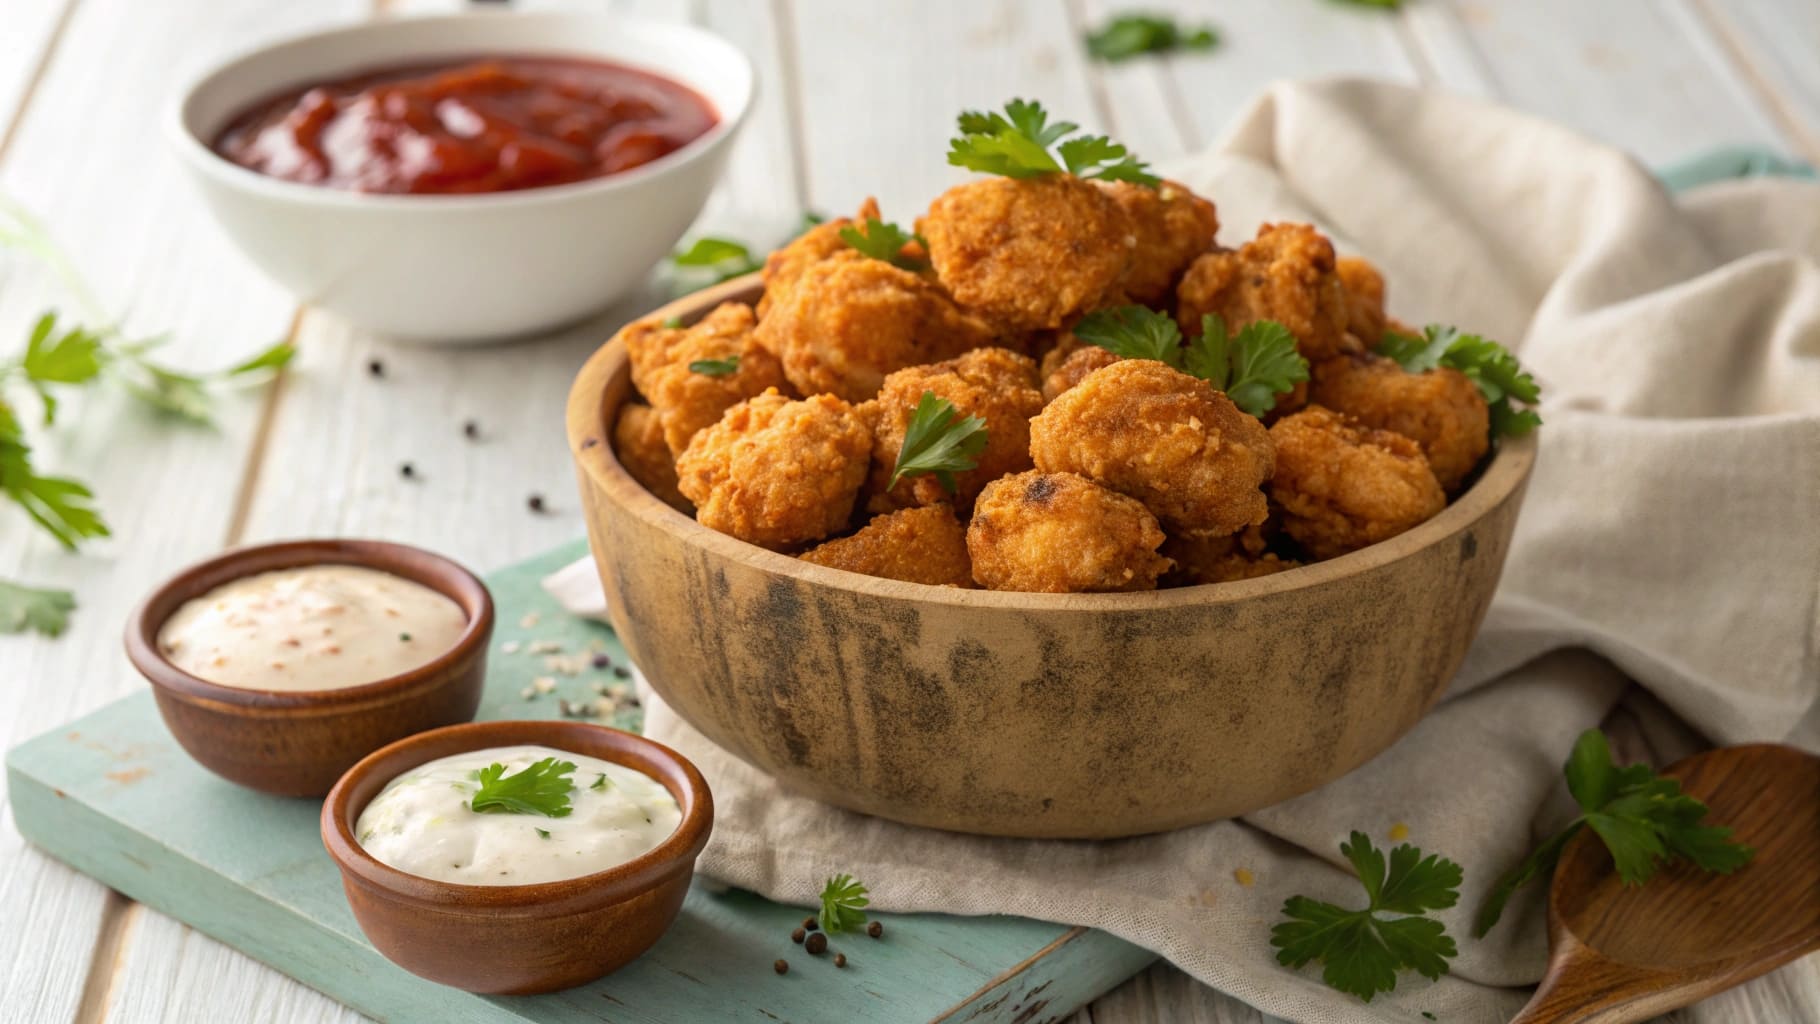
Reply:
x=316, y=627
x=421, y=822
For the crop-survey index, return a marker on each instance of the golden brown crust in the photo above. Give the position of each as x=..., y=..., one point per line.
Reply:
x=785, y=266
x=1441, y=410
x=1074, y=368
x=777, y=472
x=638, y=440
x=1028, y=254
x=995, y=384
x=1238, y=556
x=916, y=545
x=1286, y=274
x=686, y=400
x=1062, y=533
x=1163, y=437
x=1364, y=288
x=1343, y=485
x=849, y=320
x=1172, y=226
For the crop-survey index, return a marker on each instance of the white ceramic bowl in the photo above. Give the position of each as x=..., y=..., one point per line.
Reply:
x=461, y=268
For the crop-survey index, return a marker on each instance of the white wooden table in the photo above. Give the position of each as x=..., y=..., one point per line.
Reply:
x=849, y=93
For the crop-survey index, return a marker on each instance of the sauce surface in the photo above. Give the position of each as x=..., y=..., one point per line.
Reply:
x=316, y=627
x=488, y=124
x=421, y=822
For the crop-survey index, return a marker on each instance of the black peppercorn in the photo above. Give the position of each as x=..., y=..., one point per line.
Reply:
x=816, y=943
x=375, y=368
x=875, y=929
x=811, y=923
x=535, y=503
x=471, y=430
x=840, y=959
x=407, y=470
x=797, y=936
x=602, y=661
x=781, y=967
x=622, y=672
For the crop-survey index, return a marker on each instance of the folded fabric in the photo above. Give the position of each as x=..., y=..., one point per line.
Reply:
x=1671, y=539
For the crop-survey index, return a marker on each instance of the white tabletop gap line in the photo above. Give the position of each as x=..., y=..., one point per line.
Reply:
x=119, y=923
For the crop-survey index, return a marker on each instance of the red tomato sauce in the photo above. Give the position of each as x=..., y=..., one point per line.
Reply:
x=487, y=124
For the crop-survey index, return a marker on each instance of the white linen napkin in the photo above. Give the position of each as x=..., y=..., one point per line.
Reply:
x=1670, y=540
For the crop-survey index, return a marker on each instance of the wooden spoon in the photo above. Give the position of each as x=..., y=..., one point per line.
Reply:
x=1619, y=954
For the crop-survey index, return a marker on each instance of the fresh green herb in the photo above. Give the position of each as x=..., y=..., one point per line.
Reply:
x=1500, y=378
x=672, y=323
x=939, y=441
x=715, y=367
x=713, y=260
x=1017, y=144
x=883, y=240
x=1641, y=817
x=600, y=783
x=63, y=507
x=1128, y=35
x=404, y=638
x=1360, y=952
x=543, y=788
x=1252, y=368
x=811, y=218
x=44, y=611
x=544, y=832
x=843, y=903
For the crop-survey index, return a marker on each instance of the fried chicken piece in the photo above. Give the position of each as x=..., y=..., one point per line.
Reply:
x=785, y=265
x=995, y=384
x=1163, y=437
x=1028, y=254
x=850, y=320
x=1172, y=226
x=1343, y=485
x=638, y=440
x=687, y=400
x=1073, y=369
x=916, y=545
x=1364, y=288
x=777, y=472
x=1238, y=556
x=1060, y=533
x=1441, y=409
x=1286, y=274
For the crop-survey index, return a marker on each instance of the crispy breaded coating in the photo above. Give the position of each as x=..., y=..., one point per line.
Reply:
x=1074, y=368
x=1061, y=533
x=1441, y=409
x=1286, y=274
x=685, y=399
x=916, y=545
x=850, y=320
x=785, y=266
x=1163, y=437
x=778, y=472
x=1343, y=485
x=995, y=384
x=638, y=440
x=1029, y=253
x=1172, y=226
x=1238, y=556
x=1364, y=288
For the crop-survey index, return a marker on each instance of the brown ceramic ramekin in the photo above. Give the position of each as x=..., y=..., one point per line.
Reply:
x=297, y=743
x=518, y=939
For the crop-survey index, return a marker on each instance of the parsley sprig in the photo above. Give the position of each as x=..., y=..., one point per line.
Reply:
x=843, y=903
x=1129, y=35
x=883, y=240
x=1252, y=367
x=939, y=440
x=1491, y=366
x=541, y=788
x=23, y=608
x=1641, y=817
x=1017, y=144
x=715, y=367
x=1361, y=952
x=712, y=260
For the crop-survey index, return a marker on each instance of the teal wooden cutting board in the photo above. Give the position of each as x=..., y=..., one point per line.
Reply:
x=114, y=796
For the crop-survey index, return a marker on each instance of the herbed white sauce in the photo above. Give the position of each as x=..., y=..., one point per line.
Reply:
x=421, y=822
x=316, y=627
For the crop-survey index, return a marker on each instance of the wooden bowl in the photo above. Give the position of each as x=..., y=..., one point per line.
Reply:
x=297, y=743
x=518, y=939
x=1044, y=715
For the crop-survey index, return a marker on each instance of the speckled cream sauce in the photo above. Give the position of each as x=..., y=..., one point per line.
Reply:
x=421, y=822
x=317, y=627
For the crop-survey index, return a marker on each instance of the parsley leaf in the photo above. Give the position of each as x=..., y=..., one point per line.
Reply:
x=64, y=507
x=1359, y=951
x=1133, y=332
x=842, y=900
x=1129, y=35
x=713, y=260
x=542, y=788
x=939, y=441
x=1016, y=144
x=1642, y=818
x=1490, y=366
x=23, y=608
x=1252, y=368
x=715, y=367
x=883, y=240
x=600, y=783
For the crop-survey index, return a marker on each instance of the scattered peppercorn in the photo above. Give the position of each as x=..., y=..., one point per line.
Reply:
x=781, y=967
x=471, y=430
x=816, y=943
x=797, y=936
x=840, y=959
x=375, y=368
x=602, y=661
x=407, y=470
x=875, y=929
x=622, y=672
x=811, y=923
x=535, y=502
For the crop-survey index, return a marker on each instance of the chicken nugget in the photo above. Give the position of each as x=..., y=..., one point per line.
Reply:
x=1163, y=437
x=785, y=265
x=995, y=384
x=638, y=440
x=1441, y=409
x=1237, y=556
x=1364, y=288
x=1343, y=485
x=916, y=545
x=777, y=472
x=1286, y=274
x=1061, y=533
x=1028, y=254
x=1172, y=226
x=850, y=320
x=684, y=372
x=1074, y=369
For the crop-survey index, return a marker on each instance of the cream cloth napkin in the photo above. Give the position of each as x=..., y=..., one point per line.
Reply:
x=1671, y=538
